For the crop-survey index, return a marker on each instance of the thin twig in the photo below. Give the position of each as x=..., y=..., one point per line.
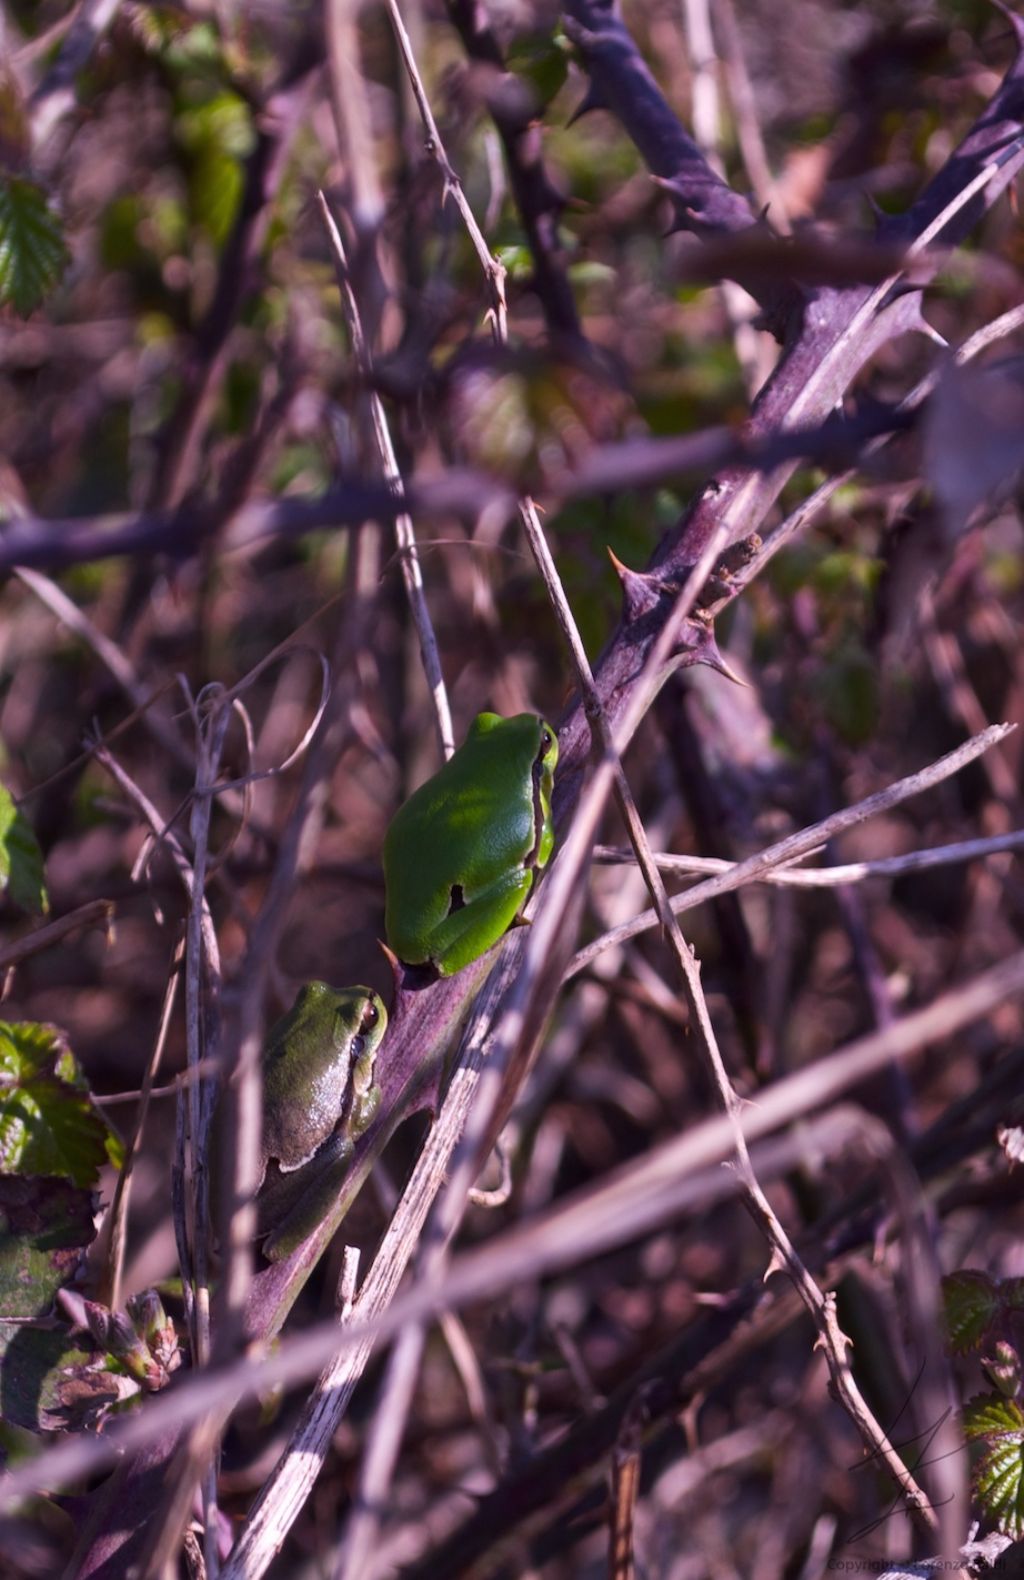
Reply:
x=625, y=1490
x=380, y=1454
x=45, y=937
x=113, y=657
x=829, y=877
x=536, y=196
x=706, y=116
x=404, y=531
x=748, y=128
x=351, y=111
x=56, y=95
x=802, y=843
x=202, y=991
x=143, y=698
x=949, y=671
x=989, y=334
x=34, y=48
x=191, y=1248
x=242, y=1033
x=494, y=271
x=162, y=831
x=118, y=1215
x=459, y=491
x=820, y=1306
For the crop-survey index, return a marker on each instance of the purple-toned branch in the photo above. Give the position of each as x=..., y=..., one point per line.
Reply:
x=829, y=341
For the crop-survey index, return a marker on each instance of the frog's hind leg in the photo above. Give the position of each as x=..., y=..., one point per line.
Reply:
x=456, y=943
x=314, y=1201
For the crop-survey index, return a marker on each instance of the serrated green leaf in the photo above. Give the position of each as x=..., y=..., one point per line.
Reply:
x=21, y=860
x=972, y=1303
x=48, y=1126
x=33, y=252
x=999, y=1487
x=998, y=1478
x=990, y=1414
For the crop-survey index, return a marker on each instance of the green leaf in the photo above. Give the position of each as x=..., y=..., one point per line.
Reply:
x=517, y=260
x=46, y=1227
x=219, y=134
x=542, y=61
x=844, y=571
x=590, y=272
x=33, y=252
x=847, y=687
x=972, y=1304
x=47, y=1122
x=21, y=860
x=195, y=48
x=990, y=1415
x=998, y=1424
x=216, y=189
x=48, y=1383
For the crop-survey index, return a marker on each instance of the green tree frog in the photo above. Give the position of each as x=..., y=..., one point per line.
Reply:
x=318, y=1098
x=461, y=855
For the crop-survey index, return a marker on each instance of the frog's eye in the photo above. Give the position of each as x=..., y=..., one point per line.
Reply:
x=547, y=740
x=371, y=1015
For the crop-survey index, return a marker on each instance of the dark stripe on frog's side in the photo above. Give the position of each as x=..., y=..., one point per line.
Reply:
x=537, y=776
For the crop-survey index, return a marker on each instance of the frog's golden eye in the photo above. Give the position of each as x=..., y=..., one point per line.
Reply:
x=371, y=1015
x=547, y=740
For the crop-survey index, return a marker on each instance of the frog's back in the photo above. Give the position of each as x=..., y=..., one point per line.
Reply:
x=304, y=1078
x=473, y=817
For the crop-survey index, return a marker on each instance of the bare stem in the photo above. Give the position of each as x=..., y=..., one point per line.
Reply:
x=404, y=531
x=802, y=843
